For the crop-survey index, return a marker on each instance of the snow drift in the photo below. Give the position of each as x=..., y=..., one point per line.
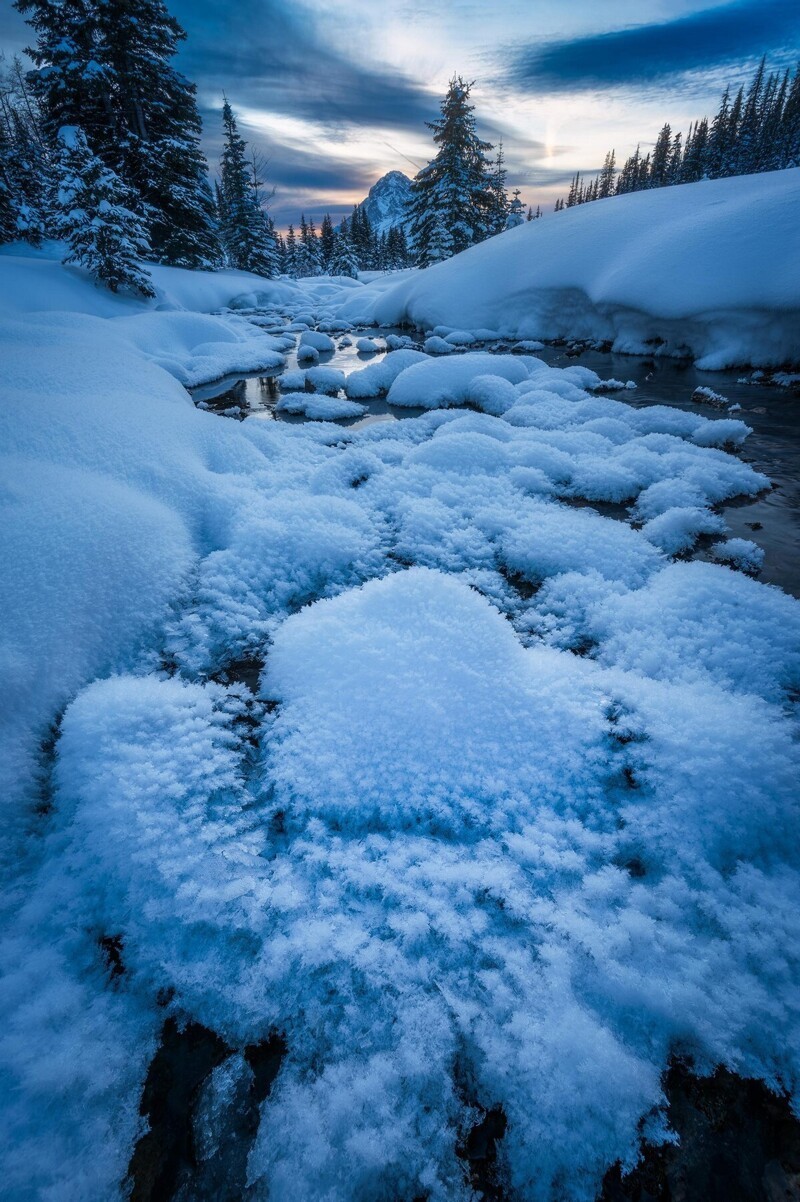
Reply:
x=708, y=270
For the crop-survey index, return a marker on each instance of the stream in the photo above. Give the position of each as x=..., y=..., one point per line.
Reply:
x=772, y=520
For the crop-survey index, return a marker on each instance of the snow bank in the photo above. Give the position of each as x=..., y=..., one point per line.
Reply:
x=710, y=270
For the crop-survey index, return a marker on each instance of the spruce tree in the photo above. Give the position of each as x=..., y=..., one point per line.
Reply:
x=499, y=206
x=93, y=215
x=516, y=212
x=327, y=242
x=451, y=198
x=607, y=175
x=659, y=166
x=247, y=234
x=290, y=253
x=106, y=67
x=345, y=260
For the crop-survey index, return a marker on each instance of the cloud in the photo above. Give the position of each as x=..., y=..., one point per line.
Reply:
x=701, y=39
x=265, y=54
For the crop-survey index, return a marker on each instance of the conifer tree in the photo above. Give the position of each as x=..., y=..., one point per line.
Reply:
x=440, y=241
x=450, y=202
x=659, y=166
x=607, y=175
x=516, y=211
x=290, y=252
x=327, y=242
x=93, y=215
x=345, y=260
x=499, y=205
x=247, y=233
x=106, y=67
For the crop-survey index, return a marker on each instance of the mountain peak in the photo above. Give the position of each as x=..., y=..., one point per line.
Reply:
x=385, y=205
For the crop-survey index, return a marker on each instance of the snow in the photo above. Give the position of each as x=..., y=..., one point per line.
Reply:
x=378, y=377
x=710, y=270
x=317, y=407
x=318, y=341
x=436, y=383
x=411, y=851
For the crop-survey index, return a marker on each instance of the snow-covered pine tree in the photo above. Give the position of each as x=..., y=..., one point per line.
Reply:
x=25, y=161
x=607, y=175
x=749, y=134
x=451, y=196
x=307, y=253
x=396, y=248
x=789, y=133
x=499, y=206
x=345, y=259
x=290, y=253
x=327, y=242
x=659, y=165
x=516, y=211
x=247, y=234
x=93, y=215
x=106, y=67
x=440, y=241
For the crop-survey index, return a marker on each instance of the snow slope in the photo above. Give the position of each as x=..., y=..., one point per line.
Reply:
x=507, y=821
x=710, y=270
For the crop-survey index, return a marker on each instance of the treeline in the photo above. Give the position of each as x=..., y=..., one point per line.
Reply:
x=352, y=247
x=758, y=130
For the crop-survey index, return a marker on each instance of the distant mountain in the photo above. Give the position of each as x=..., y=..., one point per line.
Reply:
x=386, y=204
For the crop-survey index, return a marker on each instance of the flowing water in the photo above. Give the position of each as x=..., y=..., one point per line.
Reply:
x=771, y=520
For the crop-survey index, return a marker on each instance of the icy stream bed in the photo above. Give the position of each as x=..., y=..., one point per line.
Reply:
x=772, y=519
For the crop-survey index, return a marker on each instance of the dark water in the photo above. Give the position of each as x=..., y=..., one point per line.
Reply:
x=772, y=520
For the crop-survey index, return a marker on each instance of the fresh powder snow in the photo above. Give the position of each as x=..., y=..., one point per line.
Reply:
x=422, y=744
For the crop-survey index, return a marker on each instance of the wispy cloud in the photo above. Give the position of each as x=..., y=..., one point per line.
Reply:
x=703, y=39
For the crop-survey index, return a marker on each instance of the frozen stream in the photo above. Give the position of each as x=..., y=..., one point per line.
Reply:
x=771, y=520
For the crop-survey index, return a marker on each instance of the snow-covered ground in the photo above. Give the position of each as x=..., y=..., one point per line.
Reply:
x=511, y=818
x=709, y=270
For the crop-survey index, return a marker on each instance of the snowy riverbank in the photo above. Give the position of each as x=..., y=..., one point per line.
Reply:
x=508, y=821
x=708, y=270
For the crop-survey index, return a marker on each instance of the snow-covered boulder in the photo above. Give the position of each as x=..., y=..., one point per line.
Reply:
x=437, y=383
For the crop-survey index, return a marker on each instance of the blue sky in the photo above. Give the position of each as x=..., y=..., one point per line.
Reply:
x=335, y=94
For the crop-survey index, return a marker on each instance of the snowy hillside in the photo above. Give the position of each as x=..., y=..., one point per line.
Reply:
x=386, y=202
x=710, y=270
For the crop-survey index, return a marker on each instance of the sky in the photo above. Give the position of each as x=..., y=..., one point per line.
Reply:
x=334, y=94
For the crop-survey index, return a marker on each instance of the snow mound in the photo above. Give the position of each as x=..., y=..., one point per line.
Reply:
x=377, y=379
x=710, y=270
x=317, y=406
x=438, y=383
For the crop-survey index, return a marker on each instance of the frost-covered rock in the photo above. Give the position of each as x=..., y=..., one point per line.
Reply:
x=316, y=339
x=318, y=407
x=438, y=383
x=377, y=378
